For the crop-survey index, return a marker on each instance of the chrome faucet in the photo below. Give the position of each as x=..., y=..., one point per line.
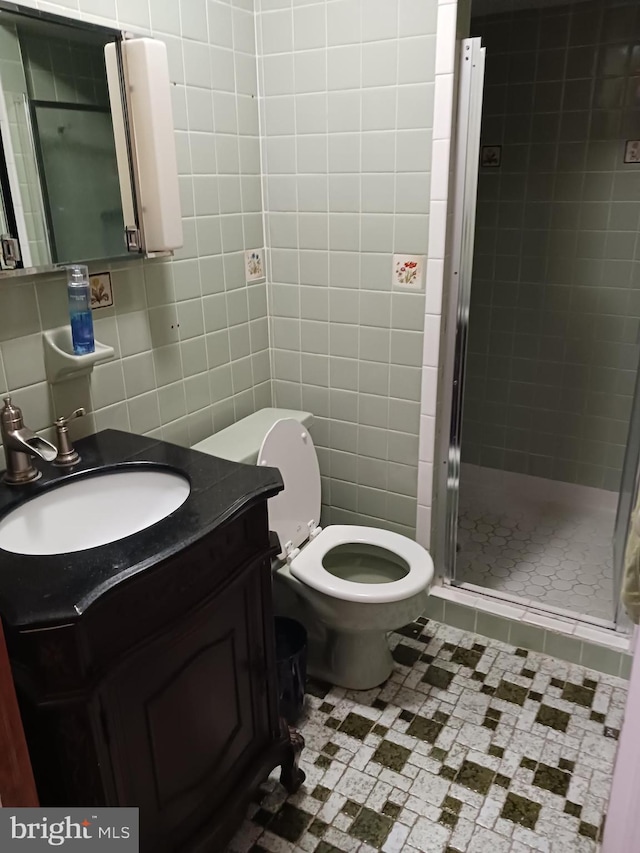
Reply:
x=21, y=445
x=67, y=454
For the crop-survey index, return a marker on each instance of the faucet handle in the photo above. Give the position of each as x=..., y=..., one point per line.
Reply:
x=11, y=415
x=62, y=421
x=66, y=453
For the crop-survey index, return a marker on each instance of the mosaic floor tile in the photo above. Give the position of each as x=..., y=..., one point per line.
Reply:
x=448, y=819
x=391, y=755
x=423, y=729
x=578, y=694
x=588, y=830
x=350, y=808
x=466, y=657
x=511, y=692
x=321, y=793
x=573, y=809
x=554, y=718
x=405, y=655
x=371, y=827
x=411, y=767
x=356, y=726
x=556, y=781
x=317, y=827
x=521, y=810
x=290, y=822
x=452, y=805
x=391, y=810
x=475, y=777
x=323, y=847
x=438, y=677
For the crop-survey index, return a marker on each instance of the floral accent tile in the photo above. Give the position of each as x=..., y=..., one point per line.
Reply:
x=491, y=156
x=408, y=271
x=254, y=265
x=101, y=290
x=632, y=151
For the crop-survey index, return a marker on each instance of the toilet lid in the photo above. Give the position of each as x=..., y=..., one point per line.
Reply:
x=296, y=510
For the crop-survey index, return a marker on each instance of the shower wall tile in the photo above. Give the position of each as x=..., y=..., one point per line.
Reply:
x=555, y=305
x=347, y=162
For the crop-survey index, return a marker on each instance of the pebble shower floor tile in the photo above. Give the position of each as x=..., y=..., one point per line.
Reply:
x=471, y=746
x=541, y=550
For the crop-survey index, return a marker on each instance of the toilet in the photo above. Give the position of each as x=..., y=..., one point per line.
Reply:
x=350, y=585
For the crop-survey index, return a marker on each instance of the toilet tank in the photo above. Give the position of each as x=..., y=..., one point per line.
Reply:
x=241, y=441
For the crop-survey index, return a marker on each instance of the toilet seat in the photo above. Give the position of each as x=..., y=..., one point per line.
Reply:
x=308, y=567
x=294, y=515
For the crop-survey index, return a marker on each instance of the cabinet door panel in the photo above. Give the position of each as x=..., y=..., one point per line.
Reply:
x=190, y=730
x=187, y=714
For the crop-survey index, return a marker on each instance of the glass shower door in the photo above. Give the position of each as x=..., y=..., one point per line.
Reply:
x=626, y=502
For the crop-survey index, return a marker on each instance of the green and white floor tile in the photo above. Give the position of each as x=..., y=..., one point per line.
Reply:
x=471, y=746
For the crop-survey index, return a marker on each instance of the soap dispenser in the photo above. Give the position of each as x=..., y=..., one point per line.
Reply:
x=80, y=316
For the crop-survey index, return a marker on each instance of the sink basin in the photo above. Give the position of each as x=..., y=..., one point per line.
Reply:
x=93, y=511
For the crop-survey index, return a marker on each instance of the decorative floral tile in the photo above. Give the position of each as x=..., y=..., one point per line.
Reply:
x=413, y=767
x=408, y=271
x=101, y=290
x=491, y=156
x=254, y=265
x=632, y=151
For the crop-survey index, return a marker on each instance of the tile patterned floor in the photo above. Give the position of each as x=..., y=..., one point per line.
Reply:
x=541, y=550
x=471, y=746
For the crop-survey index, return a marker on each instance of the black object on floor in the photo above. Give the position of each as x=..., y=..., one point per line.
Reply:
x=291, y=657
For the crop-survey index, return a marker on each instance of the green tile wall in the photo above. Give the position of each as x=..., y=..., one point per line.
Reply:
x=348, y=111
x=556, y=288
x=191, y=338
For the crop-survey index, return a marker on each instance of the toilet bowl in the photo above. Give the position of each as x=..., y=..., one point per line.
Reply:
x=351, y=584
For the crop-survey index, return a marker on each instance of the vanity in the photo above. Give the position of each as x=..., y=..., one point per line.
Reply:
x=145, y=667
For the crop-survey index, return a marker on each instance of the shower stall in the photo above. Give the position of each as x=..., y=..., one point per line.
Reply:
x=540, y=461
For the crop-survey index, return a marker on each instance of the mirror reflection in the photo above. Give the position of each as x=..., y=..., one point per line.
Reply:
x=60, y=191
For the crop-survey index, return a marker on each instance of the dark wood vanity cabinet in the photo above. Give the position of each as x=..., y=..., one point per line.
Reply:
x=163, y=695
x=189, y=714
x=17, y=787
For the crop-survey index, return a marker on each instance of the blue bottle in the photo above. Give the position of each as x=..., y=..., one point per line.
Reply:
x=80, y=316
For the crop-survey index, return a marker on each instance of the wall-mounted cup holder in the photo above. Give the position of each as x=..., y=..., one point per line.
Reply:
x=62, y=363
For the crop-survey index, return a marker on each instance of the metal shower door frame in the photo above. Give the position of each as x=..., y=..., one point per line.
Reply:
x=456, y=328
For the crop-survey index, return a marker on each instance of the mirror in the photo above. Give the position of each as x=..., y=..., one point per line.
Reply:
x=61, y=199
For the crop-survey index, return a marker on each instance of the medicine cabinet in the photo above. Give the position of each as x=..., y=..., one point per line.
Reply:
x=87, y=153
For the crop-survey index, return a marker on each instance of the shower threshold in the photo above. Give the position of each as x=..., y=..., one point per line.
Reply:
x=554, y=614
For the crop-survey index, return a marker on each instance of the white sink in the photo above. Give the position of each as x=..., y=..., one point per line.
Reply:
x=92, y=511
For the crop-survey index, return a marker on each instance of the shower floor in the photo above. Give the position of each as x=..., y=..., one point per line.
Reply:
x=538, y=539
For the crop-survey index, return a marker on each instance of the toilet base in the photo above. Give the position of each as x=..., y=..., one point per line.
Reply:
x=357, y=661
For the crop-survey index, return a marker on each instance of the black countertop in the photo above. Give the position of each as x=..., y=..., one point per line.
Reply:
x=45, y=590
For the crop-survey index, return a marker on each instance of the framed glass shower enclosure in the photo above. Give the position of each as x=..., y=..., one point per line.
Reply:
x=464, y=187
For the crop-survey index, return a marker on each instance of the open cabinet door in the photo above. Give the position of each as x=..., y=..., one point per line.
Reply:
x=17, y=787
